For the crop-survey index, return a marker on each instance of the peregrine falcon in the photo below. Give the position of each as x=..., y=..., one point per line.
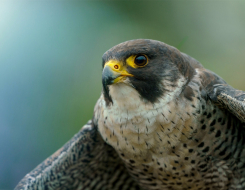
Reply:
x=162, y=121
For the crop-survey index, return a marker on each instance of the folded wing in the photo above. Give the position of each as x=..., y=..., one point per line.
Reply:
x=85, y=162
x=230, y=99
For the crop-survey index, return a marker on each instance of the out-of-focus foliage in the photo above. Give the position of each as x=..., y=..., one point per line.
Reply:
x=50, y=62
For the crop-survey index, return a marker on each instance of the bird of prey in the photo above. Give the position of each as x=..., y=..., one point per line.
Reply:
x=162, y=121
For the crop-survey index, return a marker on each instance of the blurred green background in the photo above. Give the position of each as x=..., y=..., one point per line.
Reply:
x=50, y=62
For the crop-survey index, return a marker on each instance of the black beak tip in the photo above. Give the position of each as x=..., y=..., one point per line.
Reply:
x=107, y=79
x=107, y=76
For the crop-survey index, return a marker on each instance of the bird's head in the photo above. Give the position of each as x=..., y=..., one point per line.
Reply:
x=151, y=68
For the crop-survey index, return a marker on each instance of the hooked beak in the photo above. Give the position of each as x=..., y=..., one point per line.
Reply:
x=114, y=72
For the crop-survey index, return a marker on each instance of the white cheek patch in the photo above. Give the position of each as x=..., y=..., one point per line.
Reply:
x=130, y=109
x=132, y=121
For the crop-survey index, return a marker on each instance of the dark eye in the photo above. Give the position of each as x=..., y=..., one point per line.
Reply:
x=140, y=60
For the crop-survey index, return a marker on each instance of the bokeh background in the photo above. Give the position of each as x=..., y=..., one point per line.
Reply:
x=50, y=62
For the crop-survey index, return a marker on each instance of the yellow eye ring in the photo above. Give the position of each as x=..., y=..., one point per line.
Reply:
x=140, y=60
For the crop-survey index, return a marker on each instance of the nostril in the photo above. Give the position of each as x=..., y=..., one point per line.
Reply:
x=116, y=66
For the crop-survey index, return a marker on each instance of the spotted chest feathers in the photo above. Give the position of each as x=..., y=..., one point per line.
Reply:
x=131, y=121
x=149, y=138
x=166, y=149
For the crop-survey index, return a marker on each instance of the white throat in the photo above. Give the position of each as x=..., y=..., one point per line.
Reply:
x=132, y=122
x=128, y=106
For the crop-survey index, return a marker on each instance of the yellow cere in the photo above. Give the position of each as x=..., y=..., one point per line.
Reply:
x=117, y=67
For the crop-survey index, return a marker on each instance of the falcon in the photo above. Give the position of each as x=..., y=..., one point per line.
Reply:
x=162, y=121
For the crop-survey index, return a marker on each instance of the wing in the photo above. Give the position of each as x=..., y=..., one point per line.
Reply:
x=222, y=94
x=229, y=98
x=85, y=162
